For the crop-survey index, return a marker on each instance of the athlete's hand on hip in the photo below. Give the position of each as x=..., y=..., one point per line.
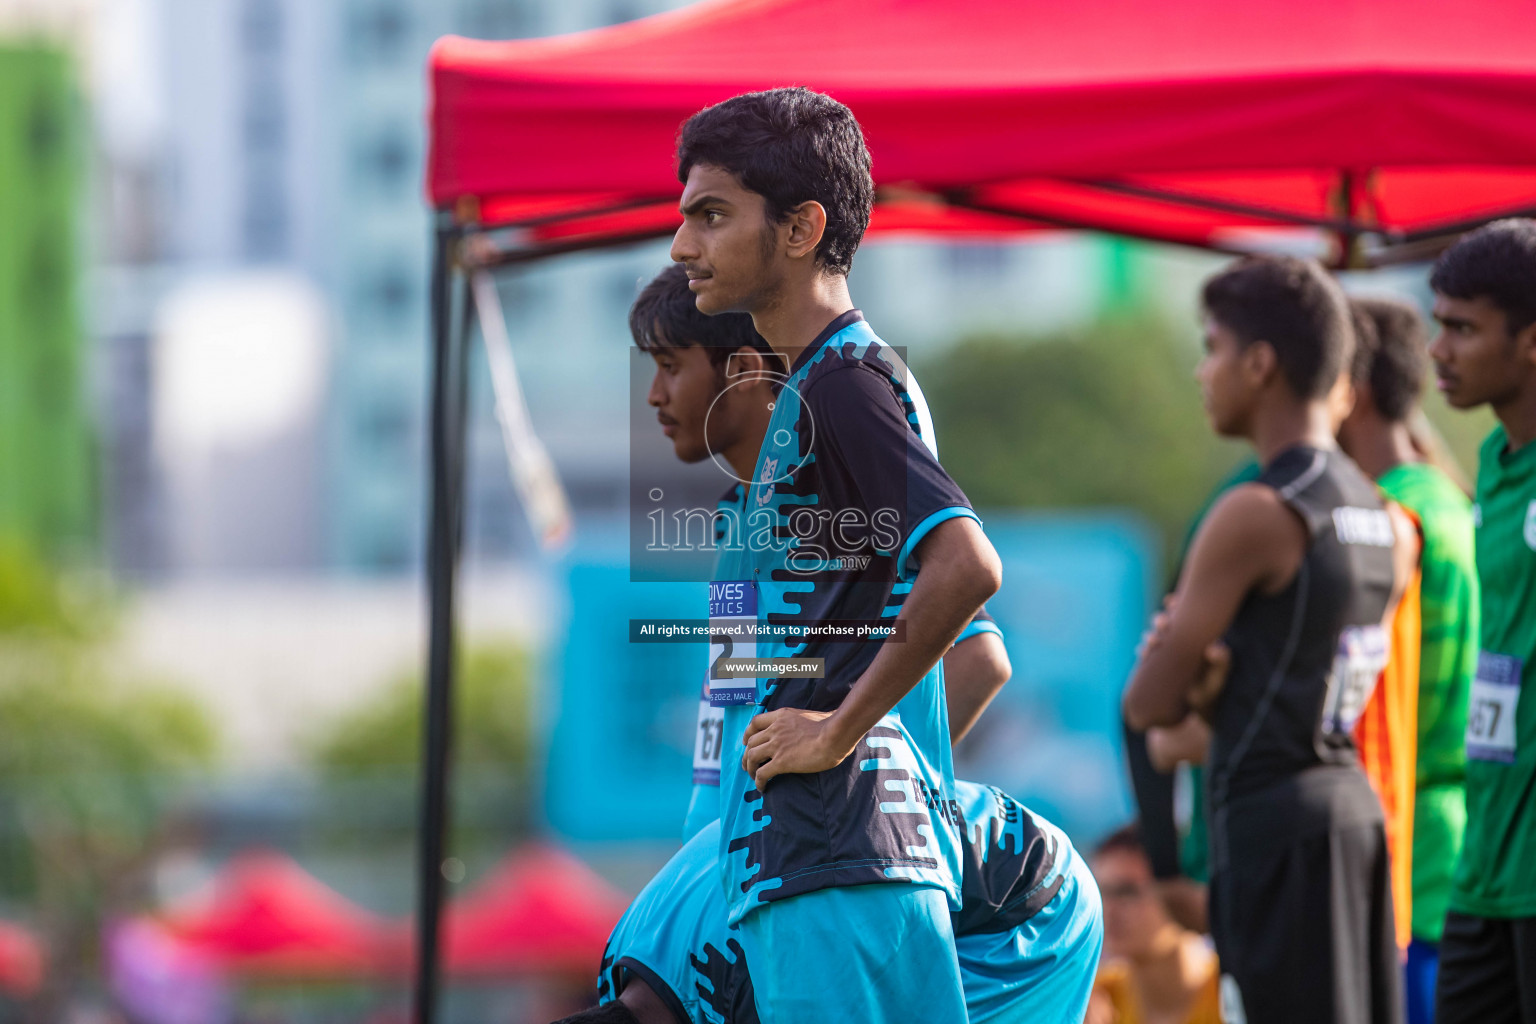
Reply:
x=790, y=741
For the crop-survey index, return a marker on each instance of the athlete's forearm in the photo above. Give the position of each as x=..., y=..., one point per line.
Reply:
x=974, y=671
x=960, y=572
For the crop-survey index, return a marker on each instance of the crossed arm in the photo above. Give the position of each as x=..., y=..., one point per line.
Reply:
x=1250, y=540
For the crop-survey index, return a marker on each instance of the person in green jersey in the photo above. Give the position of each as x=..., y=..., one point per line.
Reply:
x=1390, y=368
x=1485, y=353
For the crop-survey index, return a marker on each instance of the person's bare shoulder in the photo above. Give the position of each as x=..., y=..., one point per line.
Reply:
x=1251, y=533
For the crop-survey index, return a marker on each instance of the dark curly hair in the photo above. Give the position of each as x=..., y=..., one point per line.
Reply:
x=1497, y=261
x=664, y=316
x=1397, y=359
x=1295, y=306
x=790, y=146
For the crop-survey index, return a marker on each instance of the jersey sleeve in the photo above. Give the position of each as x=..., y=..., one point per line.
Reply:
x=875, y=461
x=980, y=623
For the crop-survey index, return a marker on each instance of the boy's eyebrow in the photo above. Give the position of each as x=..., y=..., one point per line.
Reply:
x=700, y=202
x=1452, y=321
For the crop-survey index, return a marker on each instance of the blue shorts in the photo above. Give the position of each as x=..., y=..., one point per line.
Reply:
x=1042, y=971
x=877, y=954
x=1419, y=973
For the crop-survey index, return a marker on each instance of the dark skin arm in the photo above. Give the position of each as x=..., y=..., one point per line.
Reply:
x=974, y=671
x=1250, y=540
x=960, y=571
x=645, y=1004
x=1185, y=740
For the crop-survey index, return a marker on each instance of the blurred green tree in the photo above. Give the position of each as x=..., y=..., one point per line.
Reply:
x=369, y=759
x=492, y=726
x=87, y=767
x=1108, y=416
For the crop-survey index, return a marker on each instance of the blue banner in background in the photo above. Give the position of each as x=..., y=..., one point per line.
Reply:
x=1077, y=592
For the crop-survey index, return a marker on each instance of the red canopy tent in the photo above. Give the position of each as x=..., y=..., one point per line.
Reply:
x=539, y=913
x=21, y=961
x=265, y=916
x=1182, y=123
x=1389, y=125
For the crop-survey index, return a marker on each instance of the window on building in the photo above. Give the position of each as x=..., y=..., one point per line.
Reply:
x=264, y=120
x=389, y=551
x=500, y=19
x=264, y=220
x=45, y=133
x=261, y=27
x=388, y=295
x=977, y=260
x=380, y=30
x=387, y=427
x=45, y=296
x=384, y=159
x=53, y=381
x=620, y=11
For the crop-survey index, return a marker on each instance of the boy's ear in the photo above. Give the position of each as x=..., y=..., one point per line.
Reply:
x=1525, y=343
x=803, y=230
x=750, y=362
x=1259, y=362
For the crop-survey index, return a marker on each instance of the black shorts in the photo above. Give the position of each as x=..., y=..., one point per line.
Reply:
x=1487, y=971
x=1301, y=904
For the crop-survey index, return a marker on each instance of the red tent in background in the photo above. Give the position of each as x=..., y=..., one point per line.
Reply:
x=540, y=912
x=1191, y=122
x=264, y=915
x=21, y=961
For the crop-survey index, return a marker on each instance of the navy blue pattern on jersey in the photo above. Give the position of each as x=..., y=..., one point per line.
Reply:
x=1012, y=867
x=981, y=622
x=674, y=937
x=846, y=487
x=675, y=934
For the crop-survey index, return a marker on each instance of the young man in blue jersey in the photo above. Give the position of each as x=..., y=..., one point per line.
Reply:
x=1027, y=936
x=839, y=846
x=713, y=392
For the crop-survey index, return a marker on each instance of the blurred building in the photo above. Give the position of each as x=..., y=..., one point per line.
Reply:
x=290, y=134
x=47, y=492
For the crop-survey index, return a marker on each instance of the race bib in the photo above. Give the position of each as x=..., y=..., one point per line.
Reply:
x=1491, y=709
x=1357, y=665
x=707, y=741
x=732, y=619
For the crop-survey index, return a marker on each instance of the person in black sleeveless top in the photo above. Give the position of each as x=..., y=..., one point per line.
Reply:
x=1294, y=574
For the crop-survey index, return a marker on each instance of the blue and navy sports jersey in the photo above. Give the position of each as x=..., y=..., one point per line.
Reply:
x=1012, y=861
x=674, y=936
x=704, y=801
x=981, y=622
x=708, y=736
x=844, y=491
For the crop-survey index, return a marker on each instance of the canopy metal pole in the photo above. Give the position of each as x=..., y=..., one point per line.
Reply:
x=449, y=370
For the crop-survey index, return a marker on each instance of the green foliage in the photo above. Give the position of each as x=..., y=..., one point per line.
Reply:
x=84, y=766
x=35, y=605
x=1111, y=417
x=492, y=720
